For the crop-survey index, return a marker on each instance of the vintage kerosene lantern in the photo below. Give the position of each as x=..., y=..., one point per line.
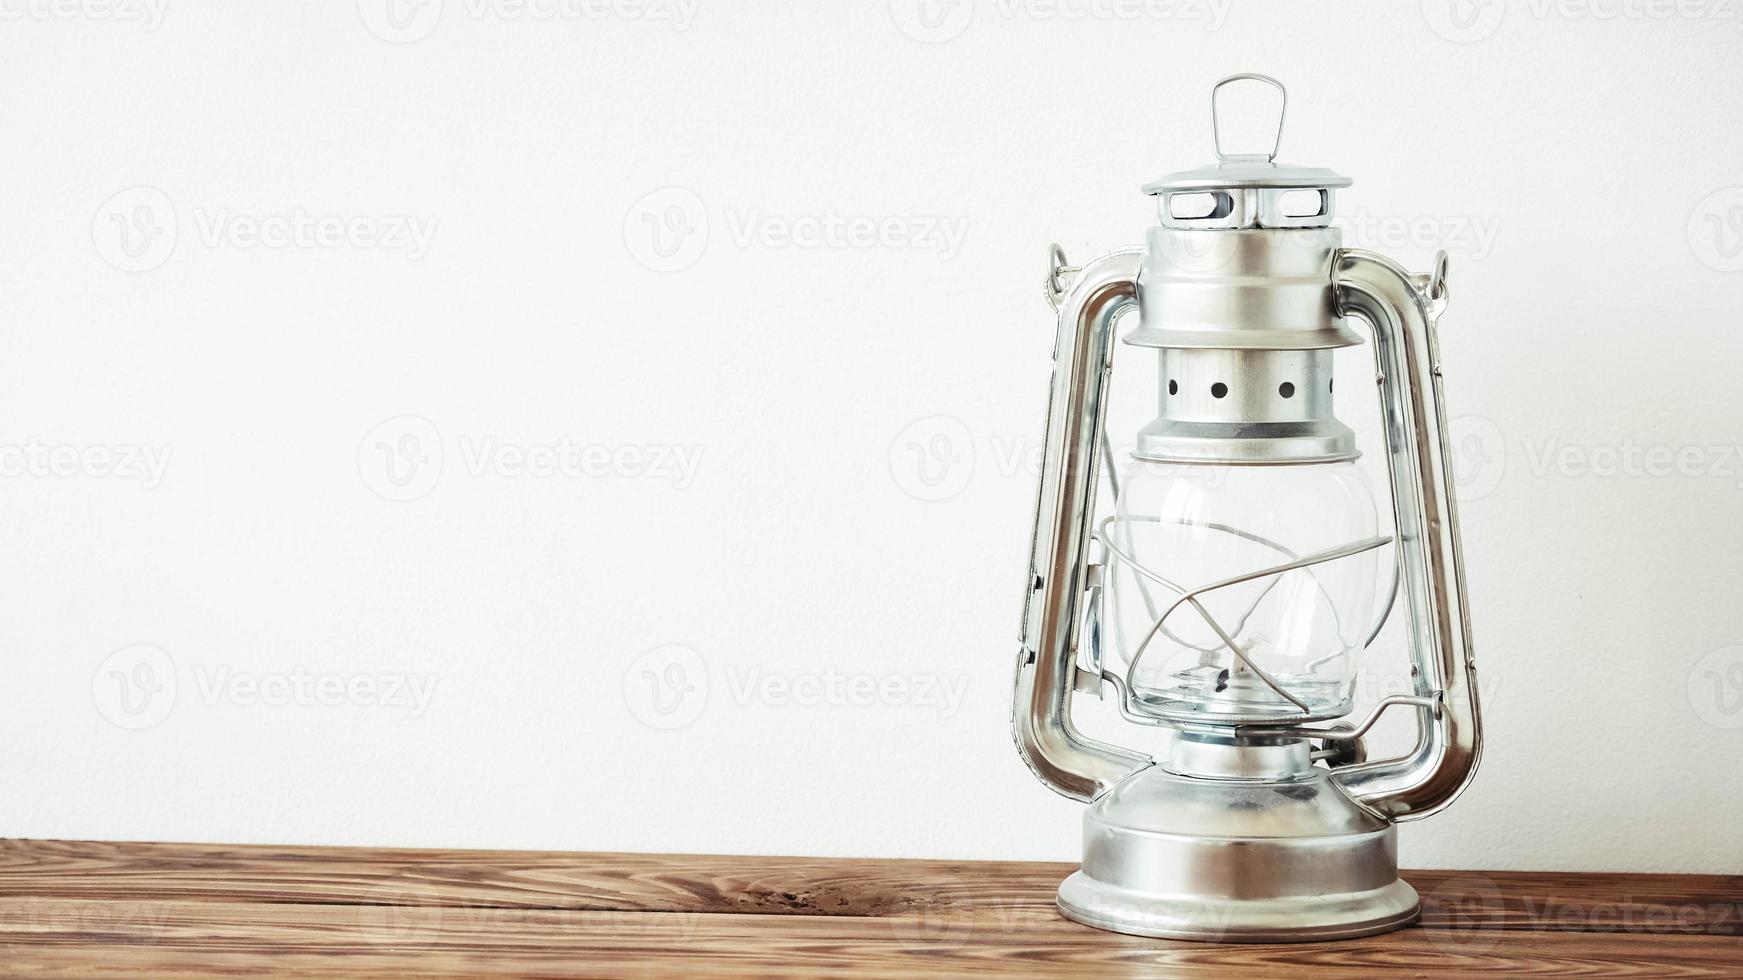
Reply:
x=1236, y=580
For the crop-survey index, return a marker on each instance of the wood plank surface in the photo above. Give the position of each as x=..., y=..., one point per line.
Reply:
x=112, y=910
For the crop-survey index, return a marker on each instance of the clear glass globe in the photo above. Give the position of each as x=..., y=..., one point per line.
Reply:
x=1192, y=526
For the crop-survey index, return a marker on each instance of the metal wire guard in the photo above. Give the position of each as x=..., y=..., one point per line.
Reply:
x=1127, y=686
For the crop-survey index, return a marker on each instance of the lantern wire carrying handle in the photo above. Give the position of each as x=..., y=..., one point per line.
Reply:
x=1216, y=124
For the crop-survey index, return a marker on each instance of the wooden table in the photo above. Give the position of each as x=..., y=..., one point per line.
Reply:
x=102, y=910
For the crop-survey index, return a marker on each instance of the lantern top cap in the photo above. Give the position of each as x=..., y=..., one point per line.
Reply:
x=1247, y=170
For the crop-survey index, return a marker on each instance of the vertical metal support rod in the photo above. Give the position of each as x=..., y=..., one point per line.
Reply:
x=1407, y=353
x=1064, y=511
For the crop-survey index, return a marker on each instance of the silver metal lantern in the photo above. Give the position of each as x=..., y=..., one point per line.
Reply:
x=1242, y=570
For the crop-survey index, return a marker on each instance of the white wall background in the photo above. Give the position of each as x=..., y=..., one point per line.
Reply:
x=258, y=259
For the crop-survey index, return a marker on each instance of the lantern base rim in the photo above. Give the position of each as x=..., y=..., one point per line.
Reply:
x=1270, y=851
x=1294, y=919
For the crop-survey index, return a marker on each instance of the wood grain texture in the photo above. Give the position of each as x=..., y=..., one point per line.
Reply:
x=108, y=910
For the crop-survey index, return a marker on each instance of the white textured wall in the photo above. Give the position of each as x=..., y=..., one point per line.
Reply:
x=248, y=249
